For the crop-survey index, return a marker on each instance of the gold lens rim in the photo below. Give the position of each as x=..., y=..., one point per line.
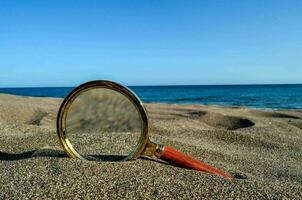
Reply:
x=62, y=114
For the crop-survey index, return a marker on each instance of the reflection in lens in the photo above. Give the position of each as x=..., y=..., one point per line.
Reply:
x=103, y=124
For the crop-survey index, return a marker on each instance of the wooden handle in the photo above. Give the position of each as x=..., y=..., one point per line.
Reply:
x=177, y=158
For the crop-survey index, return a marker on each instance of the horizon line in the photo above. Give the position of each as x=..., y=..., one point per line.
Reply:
x=168, y=85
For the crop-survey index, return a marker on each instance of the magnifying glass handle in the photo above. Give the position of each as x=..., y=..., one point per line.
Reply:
x=177, y=158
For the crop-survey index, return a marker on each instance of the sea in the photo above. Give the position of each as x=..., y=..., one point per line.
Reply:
x=287, y=96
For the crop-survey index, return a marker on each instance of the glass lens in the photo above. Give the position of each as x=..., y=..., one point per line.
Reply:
x=103, y=124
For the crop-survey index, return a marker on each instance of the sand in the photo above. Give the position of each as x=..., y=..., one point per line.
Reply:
x=261, y=147
x=103, y=116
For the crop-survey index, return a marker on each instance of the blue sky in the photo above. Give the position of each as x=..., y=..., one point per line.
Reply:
x=65, y=43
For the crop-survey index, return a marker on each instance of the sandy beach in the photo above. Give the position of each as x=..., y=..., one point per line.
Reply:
x=260, y=147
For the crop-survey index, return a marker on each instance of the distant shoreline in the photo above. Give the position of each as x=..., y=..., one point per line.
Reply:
x=172, y=85
x=269, y=96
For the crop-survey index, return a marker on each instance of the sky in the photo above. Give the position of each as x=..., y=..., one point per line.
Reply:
x=150, y=42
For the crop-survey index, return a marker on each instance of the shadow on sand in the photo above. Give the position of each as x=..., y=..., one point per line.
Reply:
x=53, y=153
x=31, y=154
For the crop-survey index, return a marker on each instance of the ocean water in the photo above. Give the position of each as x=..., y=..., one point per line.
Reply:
x=255, y=96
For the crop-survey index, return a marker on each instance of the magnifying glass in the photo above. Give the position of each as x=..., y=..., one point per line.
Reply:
x=105, y=121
